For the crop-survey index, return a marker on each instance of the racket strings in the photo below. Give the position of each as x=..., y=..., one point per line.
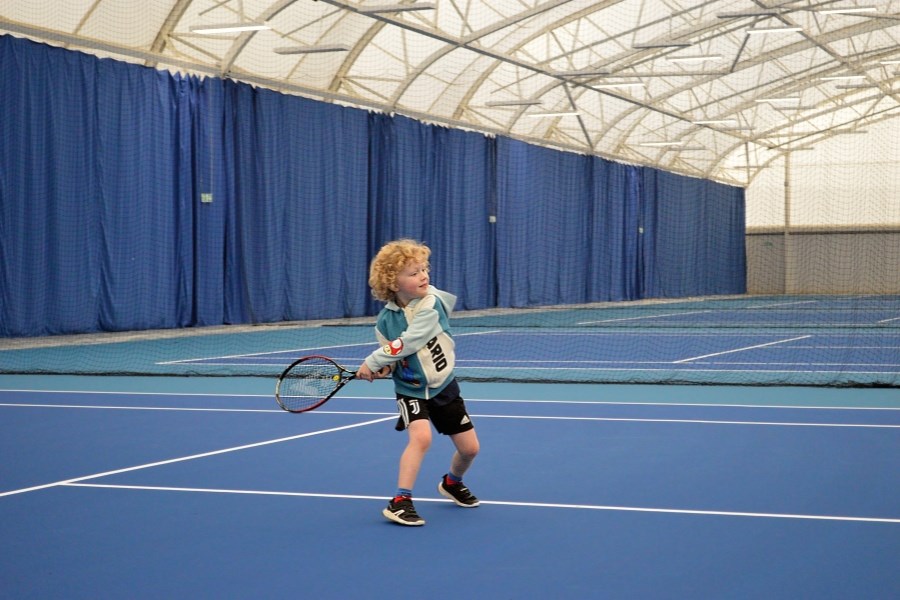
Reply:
x=308, y=384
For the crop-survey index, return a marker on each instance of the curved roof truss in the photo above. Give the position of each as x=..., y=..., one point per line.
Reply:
x=710, y=88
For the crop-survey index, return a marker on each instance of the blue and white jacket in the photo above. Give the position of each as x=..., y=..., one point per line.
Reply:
x=415, y=340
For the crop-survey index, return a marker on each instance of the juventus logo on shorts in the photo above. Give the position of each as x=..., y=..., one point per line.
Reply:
x=405, y=409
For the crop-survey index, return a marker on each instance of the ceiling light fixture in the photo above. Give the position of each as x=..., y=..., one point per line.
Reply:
x=846, y=11
x=397, y=8
x=661, y=44
x=661, y=144
x=568, y=113
x=779, y=99
x=583, y=73
x=677, y=74
x=497, y=103
x=620, y=85
x=763, y=30
x=228, y=28
x=842, y=77
x=311, y=49
x=747, y=13
x=695, y=59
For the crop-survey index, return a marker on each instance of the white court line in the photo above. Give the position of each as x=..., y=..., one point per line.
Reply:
x=163, y=408
x=802, y=364
x=192, y=457
x=683, y=360
x=679, y=404
x=470, y=362
x=391, y=399
x=689, y=371
x=717, y=513
x=687, y=333
x=271, y=353
x=126, y=393
x=888, y=320
x=691, y=421
x=822, y=347
x=481, y=416
x=192, y=409
x=587, y=364
x=752, y=306
x=693, y=312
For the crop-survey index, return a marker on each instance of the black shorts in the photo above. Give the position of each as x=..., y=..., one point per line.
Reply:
x=447, y=411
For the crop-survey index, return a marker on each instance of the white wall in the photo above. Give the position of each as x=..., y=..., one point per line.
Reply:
x=847, y=181
x=844, y=218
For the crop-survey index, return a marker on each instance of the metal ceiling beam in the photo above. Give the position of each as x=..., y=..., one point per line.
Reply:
x=468, y=44
x=847, y=32
x=172, y=20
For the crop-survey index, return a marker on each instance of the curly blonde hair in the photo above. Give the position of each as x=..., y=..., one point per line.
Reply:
x=390, y=260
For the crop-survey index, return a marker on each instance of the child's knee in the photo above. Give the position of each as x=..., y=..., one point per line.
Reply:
x=420, y=438
x=468, y=448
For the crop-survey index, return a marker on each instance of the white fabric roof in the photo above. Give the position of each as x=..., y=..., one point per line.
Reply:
x=452, y=61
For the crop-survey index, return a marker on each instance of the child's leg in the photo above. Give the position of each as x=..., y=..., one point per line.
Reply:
x=411, y=459
x=467, y=447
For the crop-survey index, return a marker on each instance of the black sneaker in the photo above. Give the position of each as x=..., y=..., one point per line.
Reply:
x=457, y=492
x=401, y=510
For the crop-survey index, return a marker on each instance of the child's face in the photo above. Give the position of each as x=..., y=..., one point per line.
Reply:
x=412, y=282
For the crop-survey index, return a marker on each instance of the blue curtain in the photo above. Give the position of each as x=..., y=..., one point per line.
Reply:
x=137, y=199
x=693, y=237
x=143, y=192
x=568, y=227
x=434, y=184
x=37, y=189
x=211, y=200
x=297, y=184
x=614, y=241
x=543, y=223
x=94, y=194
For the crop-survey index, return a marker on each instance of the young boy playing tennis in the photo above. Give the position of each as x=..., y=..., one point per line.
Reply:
x=413, y=329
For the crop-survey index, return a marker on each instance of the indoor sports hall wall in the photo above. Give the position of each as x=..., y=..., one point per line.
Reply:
x=136, y=199
x=827, y=220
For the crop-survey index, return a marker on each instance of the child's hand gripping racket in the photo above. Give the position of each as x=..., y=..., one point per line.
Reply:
x=309, y=383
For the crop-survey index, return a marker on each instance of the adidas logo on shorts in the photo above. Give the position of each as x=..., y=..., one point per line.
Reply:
x=465, y=420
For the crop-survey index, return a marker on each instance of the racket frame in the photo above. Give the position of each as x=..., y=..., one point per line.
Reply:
x=345, y=374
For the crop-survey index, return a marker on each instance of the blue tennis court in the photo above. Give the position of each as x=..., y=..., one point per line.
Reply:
x=647, y=356
x=807, y=340
x=195, y=487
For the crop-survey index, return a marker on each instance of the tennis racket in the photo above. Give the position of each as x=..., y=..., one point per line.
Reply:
x=310, y=382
